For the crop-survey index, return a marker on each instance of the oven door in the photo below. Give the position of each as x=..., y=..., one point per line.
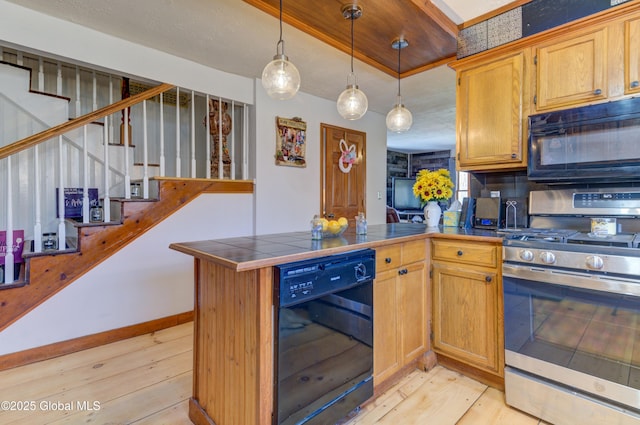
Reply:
x=579, y=330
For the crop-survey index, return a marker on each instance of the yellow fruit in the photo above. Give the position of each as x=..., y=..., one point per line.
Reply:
x=325, y=224
x=343, y=221
x=334, y=227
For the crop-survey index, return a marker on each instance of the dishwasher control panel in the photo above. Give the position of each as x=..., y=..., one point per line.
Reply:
x=308, y=279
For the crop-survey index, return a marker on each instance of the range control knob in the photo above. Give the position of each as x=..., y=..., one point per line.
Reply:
x=547, y=257
x=595, y=262
x=525, y=255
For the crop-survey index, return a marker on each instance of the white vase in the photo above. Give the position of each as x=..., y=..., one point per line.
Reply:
x=432, y=213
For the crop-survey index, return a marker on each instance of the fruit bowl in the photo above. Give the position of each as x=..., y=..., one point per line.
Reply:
x=334, y=232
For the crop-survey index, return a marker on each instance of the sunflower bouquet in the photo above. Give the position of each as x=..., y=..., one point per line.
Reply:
x=433, y=185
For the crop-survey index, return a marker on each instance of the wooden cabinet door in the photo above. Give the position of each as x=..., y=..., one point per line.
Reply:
x=572, y=71
x=491, y=111
x=386, y=340
x=412, y=290
x=465, y=315
x=632, y=56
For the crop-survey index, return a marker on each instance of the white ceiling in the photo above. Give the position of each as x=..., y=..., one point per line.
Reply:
x=232, y=36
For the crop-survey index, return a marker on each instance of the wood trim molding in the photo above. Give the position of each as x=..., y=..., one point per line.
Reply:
x=58, y=130
x=21, y=358
x=49, y=274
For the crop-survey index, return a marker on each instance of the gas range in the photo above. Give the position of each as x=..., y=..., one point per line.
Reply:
x=568, y=236
x=553, y=243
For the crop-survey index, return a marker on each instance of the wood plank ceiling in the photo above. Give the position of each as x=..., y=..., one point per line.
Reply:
x=430, y=33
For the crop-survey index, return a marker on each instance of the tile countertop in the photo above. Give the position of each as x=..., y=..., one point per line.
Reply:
x=253, y=252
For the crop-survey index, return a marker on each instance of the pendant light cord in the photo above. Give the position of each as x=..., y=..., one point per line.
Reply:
x=351, y=41
x=281, y=41
x=399, y=48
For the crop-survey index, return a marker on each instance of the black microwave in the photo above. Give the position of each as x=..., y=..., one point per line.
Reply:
x=591, y=143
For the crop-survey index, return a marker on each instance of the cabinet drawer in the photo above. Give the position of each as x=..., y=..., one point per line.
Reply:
x=475, y=253
x=388, y=257
x=414, y=251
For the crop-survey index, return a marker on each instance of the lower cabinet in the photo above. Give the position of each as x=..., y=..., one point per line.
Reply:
x=467, y=304
x=400, y=294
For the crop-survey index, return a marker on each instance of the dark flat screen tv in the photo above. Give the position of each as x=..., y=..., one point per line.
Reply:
x=402, y=195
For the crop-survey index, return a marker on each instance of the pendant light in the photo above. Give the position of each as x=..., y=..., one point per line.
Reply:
x=280, y=78
x=399, y=118
x=352, y=102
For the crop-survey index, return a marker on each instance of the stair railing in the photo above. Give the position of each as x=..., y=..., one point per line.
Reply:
x=74, y=160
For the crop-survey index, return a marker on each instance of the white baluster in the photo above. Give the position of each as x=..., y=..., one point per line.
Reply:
x=208, y=138
x=106, y=203
x=178, y=173
x=245, y=143
x=162, y=161
x=95, y=89
x=59, y=79
x=220, y=165
x=145, y=160
x=85, y=177
x=111, y=132
x=37, y=228
x=8, y=255
x=40, y=74
x=193, y=134
x=232, y=148
x=127, y=176
x=62, y=233
x=1, y=54
x=78, y=102
x=19, y=59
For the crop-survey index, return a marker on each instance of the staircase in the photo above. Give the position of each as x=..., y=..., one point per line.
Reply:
x=65, y=155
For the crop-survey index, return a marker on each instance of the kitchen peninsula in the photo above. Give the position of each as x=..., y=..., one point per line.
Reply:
x=234, y=309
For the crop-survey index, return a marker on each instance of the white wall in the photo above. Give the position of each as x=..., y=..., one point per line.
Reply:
x=146, y=280
x=288, y=197
x=143, y=281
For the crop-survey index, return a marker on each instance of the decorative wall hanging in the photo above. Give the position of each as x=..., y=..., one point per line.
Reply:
x=218, y=111
x=291, y=134
x=347, y=156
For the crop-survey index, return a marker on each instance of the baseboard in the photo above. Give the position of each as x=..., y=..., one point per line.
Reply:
x=487, y=378
x=57, y=349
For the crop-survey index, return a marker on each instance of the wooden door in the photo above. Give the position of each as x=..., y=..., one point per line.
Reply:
x=572, y=71
x=343, y=187
x=465, y=314
x=632, y=56
x=386, y=337
x=491, y=114
x=413, y=313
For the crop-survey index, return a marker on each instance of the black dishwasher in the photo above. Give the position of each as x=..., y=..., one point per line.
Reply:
x=324, y=337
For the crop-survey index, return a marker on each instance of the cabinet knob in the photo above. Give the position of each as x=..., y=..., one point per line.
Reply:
x=635, y=84
x=403, y=271
x=488, y=279
x=460, y=253
x=597, y=92
x=514, y=156
x=387, y=260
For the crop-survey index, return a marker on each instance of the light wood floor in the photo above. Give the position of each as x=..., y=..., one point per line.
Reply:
x=147, y=381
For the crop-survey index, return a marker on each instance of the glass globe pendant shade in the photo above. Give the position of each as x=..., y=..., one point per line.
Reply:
x=280, y=78
x=352, y=103
x=399, y=118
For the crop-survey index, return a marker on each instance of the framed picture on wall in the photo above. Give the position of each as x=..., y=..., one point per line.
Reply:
x=291, y=135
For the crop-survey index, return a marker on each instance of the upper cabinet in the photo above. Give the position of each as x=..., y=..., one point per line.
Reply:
x=593, y=60
x=491, y=110
x=632, y=56
x=571, y=70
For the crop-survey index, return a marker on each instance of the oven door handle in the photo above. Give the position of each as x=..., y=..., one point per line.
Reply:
x=610, y=284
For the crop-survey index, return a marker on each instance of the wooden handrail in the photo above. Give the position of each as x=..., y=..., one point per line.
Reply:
x=52, y=132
